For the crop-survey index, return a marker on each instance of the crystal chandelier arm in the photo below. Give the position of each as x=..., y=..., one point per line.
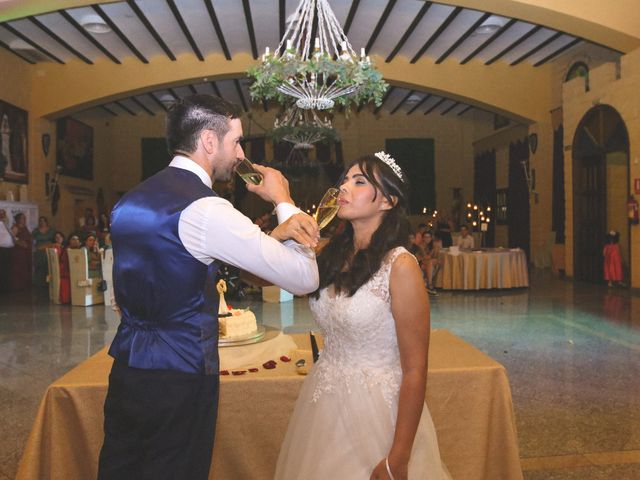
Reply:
x=338, y=36
x=289, y=32
x=307, y=28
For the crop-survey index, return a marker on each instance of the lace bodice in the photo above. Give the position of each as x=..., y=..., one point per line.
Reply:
x=360, y=342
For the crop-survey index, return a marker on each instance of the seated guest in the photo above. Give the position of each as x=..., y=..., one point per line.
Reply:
x=93, y=257
x=20, y=276
x=422, y=228
x=444, y=232
x=412, y=241
x=43, y=238
x=74, y=242
x=431, y=260
x=465, y=240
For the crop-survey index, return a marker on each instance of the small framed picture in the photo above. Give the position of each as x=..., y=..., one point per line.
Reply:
x=74, y=148
x=13, y=143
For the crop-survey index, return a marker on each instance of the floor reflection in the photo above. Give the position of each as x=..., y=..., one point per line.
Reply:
x=572, y=352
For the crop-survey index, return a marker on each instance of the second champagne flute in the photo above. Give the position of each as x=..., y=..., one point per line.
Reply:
x=248, y=173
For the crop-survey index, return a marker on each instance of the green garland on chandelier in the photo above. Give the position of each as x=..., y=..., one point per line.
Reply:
x=274, y=71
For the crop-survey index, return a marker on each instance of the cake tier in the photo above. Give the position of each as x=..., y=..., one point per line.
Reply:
x=238, y=324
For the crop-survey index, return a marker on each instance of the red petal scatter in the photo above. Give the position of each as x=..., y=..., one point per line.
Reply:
x=284, y=358
x=271, y=364
x=224, y=372
x=239, y=372
x=253, y=370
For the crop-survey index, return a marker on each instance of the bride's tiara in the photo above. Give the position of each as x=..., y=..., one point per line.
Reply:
x=388, y=159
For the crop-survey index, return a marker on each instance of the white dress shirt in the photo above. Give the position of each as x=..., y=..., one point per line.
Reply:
x=212, y=229
x=466, y=242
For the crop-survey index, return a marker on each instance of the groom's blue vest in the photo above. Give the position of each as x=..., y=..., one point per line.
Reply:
x=168, y=299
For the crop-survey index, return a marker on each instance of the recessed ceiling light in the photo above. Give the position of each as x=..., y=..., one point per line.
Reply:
x=413, y=99
x=94, y=24
x=167, y=100
x=490, y=25
x=20, y=45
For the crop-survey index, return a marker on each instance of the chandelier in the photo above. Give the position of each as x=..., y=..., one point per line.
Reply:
x=302, y=127
x=331, y=73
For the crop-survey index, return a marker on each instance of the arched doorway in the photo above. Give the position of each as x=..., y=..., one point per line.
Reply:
x=600, y=189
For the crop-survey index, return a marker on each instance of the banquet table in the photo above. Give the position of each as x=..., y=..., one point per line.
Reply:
x=483, y=269
x=468, y=395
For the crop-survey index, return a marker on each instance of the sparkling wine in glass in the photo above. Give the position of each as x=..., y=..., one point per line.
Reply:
x=325, y=212
x=248, y=173
x=327, y=208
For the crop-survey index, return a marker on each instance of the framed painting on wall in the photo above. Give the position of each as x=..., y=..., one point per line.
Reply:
x=74, y=148
x=13, y=143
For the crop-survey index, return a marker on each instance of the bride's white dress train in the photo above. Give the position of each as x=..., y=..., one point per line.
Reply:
x=344, y=419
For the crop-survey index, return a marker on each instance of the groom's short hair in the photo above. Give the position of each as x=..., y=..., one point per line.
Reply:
x=190, y=115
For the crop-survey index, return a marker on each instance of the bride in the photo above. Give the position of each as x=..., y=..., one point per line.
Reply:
x=361, y=413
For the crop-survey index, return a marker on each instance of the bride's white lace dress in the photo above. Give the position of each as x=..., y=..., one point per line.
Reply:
x=344, y=420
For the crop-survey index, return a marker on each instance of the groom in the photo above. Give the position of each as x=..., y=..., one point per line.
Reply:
x=169, y=235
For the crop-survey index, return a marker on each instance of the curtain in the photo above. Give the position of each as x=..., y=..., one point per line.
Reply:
x=518, y=196
x=484, y=189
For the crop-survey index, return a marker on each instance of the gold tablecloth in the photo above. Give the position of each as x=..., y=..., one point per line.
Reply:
x=492, y=268
x=468, y=394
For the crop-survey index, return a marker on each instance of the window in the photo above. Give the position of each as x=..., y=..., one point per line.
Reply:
x=579, y=69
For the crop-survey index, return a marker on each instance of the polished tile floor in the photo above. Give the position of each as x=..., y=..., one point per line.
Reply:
x=572, y=352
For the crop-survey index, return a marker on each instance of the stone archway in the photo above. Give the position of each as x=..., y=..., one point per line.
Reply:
x=600, y=189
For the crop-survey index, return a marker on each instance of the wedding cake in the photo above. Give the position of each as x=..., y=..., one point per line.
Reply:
x=234, y=322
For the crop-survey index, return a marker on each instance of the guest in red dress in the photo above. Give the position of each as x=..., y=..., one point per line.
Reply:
x=63, y=259
x=612, y=260
x=20, y=278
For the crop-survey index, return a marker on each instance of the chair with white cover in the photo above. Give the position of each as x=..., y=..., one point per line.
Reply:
x=84, y=290
x=54, y=275
x=107, y=274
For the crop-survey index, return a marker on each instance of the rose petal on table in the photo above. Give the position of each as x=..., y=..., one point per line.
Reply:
x=253, y=370
x=269, y=365
x=284, y=358
x=224, y=372
x=238, y=372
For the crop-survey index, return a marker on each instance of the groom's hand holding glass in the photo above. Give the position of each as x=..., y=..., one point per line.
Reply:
x=274, y=188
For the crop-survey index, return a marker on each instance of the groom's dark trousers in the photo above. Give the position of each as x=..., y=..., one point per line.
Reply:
x=146, y=436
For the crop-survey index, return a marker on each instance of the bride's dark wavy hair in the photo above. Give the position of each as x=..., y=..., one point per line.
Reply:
x=392, y=232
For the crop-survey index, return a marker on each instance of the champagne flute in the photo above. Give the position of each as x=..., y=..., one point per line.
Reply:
x=249, y=174
x=327, y=208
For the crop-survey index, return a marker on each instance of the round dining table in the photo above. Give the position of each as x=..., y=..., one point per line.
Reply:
x=482, y=269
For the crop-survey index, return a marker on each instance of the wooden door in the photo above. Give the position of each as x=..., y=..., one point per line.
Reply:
x=600, y=132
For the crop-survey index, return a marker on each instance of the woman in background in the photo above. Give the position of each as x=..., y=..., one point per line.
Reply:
x=94, y=258
x=612, y=260
x=43, y=238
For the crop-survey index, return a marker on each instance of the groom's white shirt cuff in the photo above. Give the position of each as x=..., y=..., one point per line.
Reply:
x=212, y=229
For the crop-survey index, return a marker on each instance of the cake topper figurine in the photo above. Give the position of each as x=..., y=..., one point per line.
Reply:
x=221, y=287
